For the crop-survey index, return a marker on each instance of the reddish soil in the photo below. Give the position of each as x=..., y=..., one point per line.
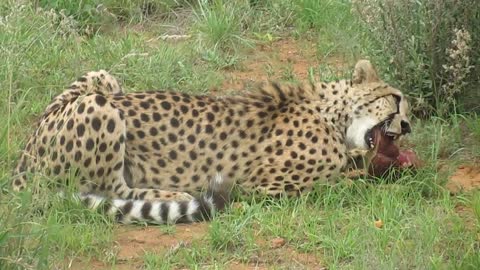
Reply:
x=132, y=242
x=466, y=178
x=277, y=60
x=285, y=256
x=468, y=216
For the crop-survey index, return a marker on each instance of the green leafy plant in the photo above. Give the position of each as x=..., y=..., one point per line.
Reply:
x=428, y=48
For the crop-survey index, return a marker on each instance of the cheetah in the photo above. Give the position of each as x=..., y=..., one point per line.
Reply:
x=168, y=157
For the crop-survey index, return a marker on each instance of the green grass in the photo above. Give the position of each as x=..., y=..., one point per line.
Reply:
x=219, y=24
x=42, y=52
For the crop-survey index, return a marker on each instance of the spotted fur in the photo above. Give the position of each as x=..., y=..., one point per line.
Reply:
x=148, y=150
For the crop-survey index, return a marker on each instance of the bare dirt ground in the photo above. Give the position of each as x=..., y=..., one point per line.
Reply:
x=466, y=178
x=131, y=244
x=279, y=59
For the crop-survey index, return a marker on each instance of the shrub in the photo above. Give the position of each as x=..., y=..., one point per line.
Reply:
x=427, y=46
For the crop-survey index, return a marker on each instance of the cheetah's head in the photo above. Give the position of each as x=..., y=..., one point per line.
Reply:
x=379, y=112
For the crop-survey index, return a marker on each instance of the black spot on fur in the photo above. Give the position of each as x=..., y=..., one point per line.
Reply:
x=100, y=100
x=166, y=105
x=96, y=123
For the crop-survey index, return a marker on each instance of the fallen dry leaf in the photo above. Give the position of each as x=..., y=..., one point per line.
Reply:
x=277, y=242
x=378, y=223
x=237, y=205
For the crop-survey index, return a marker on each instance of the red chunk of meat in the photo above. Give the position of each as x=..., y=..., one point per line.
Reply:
x=408, y=158
x=389, y=156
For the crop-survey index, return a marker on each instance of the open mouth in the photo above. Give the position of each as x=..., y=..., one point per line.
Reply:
x=383, y=142
x=388, y=154
x=376, y=137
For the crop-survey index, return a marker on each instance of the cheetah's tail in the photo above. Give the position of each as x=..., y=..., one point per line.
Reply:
x=201, y=208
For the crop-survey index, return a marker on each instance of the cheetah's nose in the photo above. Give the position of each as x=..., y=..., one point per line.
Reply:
x=405, y=127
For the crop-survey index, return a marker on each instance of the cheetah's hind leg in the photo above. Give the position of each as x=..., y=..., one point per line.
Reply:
x=100, y=82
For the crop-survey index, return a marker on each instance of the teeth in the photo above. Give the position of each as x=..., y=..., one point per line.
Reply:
x=393, y=136
x=370, y=141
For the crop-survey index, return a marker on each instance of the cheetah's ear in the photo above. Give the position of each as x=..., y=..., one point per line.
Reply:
x=364, y=73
